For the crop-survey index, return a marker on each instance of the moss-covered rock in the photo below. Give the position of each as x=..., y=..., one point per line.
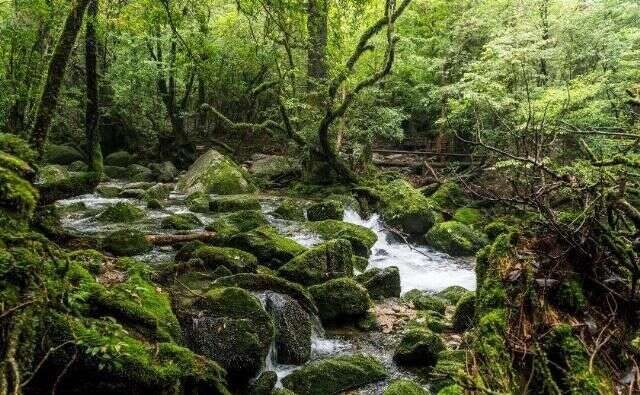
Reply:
x=121, y=212
x=231, y=224
x=236, y=261
x=17, y=147
x=454, y=389
x=137, y=172
x=451, y=363
x=18, y=197
x=449, y=196
x=418, y=347
x=404, y=387
x=464, y=314
x=61, y=154
x=340, y=300
x=273, y=170
x=334, y=375
x=182, y=221
x=115, y=172
x=361, y=238
x=569, y=296
x=291, y=209
x=405, y=207
x=431, y=320
x=424, y=301
x=264, y=384
x=126, y=242
x=381, y=283
x=496, y=228
x=271, y=248
x=468, y=215
x=159, y=191
x=490, y=344
x=198, y=202
x=164, y=172
x=108, y=191
x=225, y=204
x=52, y=173
x=110, y=360
x=91, y=260
x=360, y=263
x=214, y=173
x=78, y=165
x=120, y=159
x=232, y=328
x=453, y=293
x=136, y=193
x=266, y=282
x=330, y=260
x=455, y=238
x=327, y=209
x=293, y=329
x=154, y=204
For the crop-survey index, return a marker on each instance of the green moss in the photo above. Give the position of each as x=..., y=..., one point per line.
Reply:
x=455, y=239
x=335, y=374
x=159, y=192
x=214, y=173
x=264, y=384
x=266, y=282
x=490, y=347
x=139, y=173
x=454, y=389
x=126, y=242
x=231, y=224
x=330, y=260
x=431, y=320
x=570, y=297
x=328, y=209
x=121, y=212
x=182, y=221
x=18, y=197
x=141, y=305
x=108, y=191
x=464, y=314
x=449, y=196
x=225, y=204
x=405, y=207
x=361, y=238
x=360, y=263
x=78, y=165
x=418, y=347
x=52, y=173
x=381, y=283
x=17, y=147
x=74, y=185
x=235, y=260
x=154, y=204
x=424, y=301
x=468, y=216
x=271, y=248
x=198, y=202
x=340, y=300
x=570, y=367
x=291, y=209
x=120, y=159
x=496, y=228
x=17, y=165
x=115, y=172
x=109, y=359
x=453, y=293
x=404, y=387
x=92, y=260
x=61, y=154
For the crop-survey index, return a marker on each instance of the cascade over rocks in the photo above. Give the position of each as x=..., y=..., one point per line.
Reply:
x=293, y=328
x=214, y=173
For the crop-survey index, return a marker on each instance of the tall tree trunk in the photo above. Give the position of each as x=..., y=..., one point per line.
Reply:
x=55, y=74
x=94, y=152
x=317, y=17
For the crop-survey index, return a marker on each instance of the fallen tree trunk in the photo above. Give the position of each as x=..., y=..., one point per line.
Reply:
x=164, y=240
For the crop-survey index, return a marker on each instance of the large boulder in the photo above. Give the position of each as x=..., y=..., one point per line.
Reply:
x=230, y=326
x=361, y=238
x=214, y=173
x=291, y=209
x=126, y=242
x=119, y=159
x=139, y=173
x=328, y=209
x=61, y=154
x=455, y=238
x=293, y=329
x=418, y=347
x=270, y=247
x=52, y=173
x=164, y=172
x=121, y=212
x=231, y=224
x=235, y=260
x=405, y=207
x=381, y=283
x=181, y=221
x=340, y=300
x=332, y=259
x=224, y=204
x=334, y=375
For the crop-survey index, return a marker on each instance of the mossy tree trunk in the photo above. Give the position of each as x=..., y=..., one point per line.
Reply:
x=94, y=152
x=317, y=29
x=55, y=74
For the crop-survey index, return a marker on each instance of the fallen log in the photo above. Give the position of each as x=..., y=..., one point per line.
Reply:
x=166, y=239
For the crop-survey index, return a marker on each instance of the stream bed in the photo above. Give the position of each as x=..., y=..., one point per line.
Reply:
x=420, y=268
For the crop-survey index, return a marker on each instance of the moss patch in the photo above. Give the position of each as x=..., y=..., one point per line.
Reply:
x=405, y=207
x=418, y=347
x=404, y=387
x=121, y=212
x=271, y=248
x=224, y=204
x=182, y=221
x=455, y=238
x=341, y=300
x=328, y=209
x=214, y=173
x=291, y=209
x=330, y=260
x=231, y=224
x=361, y=238
x=126, y=242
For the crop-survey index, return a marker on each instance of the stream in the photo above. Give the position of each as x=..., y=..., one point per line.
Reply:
x=420, y=268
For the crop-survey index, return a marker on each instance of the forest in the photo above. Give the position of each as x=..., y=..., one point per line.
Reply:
x=292, y=197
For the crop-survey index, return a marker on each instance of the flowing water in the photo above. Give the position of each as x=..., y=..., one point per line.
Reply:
x=420, y=267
